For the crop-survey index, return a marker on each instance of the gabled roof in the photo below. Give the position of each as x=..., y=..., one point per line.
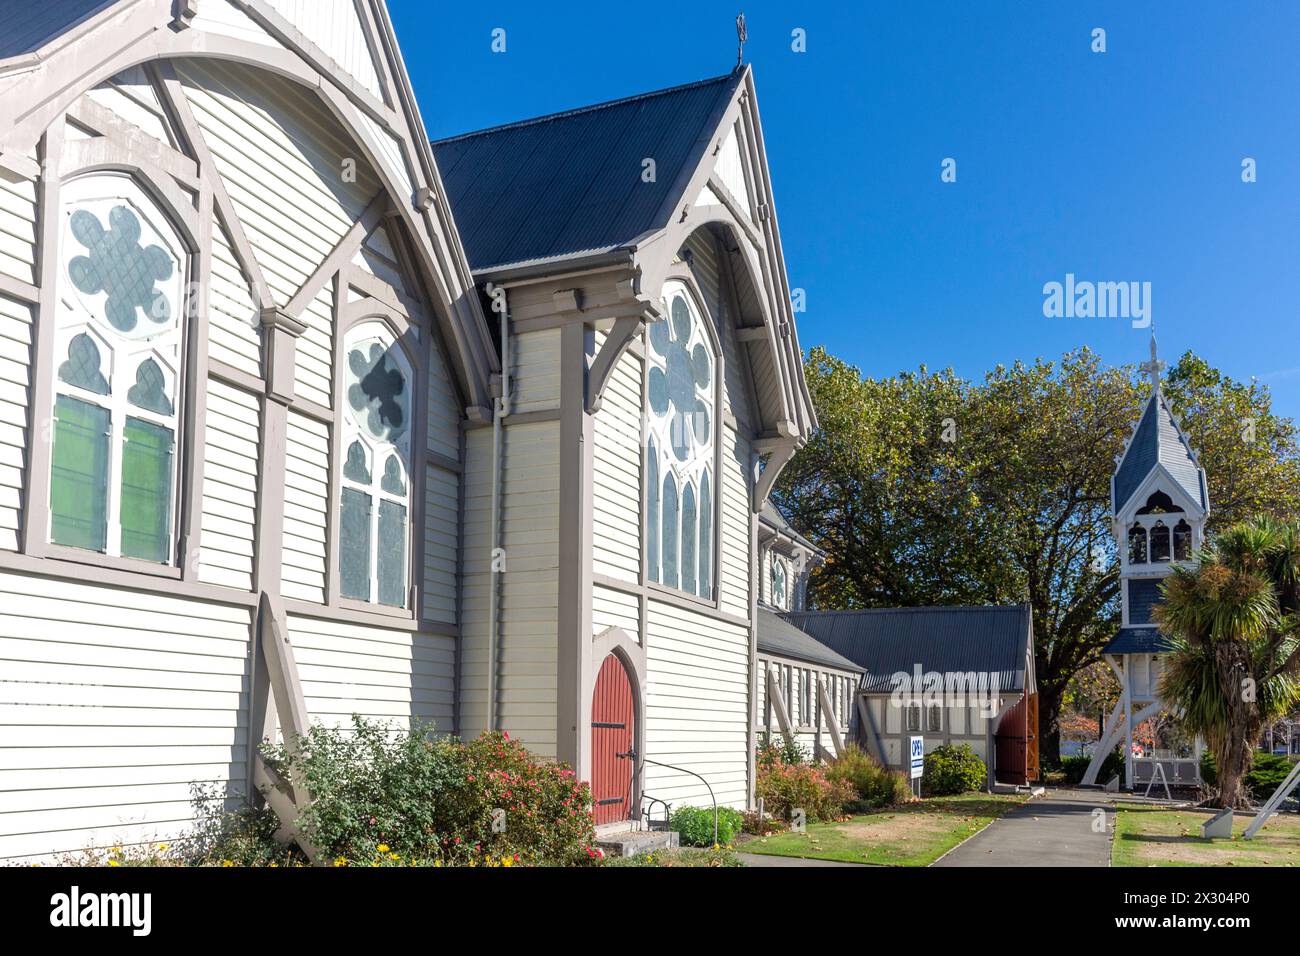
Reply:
x=29, y=26
x=1138, y=640
x=783, y=639
x=571, y=183
x=772, y=517
x=885, y=641
x=1158, y=440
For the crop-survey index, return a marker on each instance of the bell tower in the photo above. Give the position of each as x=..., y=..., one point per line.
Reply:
x=1159, y=503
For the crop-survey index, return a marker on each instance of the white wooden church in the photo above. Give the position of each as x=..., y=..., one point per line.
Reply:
x=301, y=416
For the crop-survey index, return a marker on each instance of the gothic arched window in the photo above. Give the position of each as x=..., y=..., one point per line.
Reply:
x=1182, y=541
x=117, y=376
x=682, y=418
x=374, y=551
x=1160, y=542
x=1137, y=545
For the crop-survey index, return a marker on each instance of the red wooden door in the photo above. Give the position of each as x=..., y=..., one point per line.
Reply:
x=613, y=733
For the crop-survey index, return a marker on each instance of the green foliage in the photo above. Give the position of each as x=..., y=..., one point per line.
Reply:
x=694, y=825
x=1266, y=773
x=1017, y=503
x=788, y=751
x=785, y=788
x=951, y=770
x=1076, y=766
x=875, y=786
x=1232, y=621
x=436, y=800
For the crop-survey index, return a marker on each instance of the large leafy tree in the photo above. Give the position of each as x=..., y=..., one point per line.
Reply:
x=924, y=488
x=1234, y=619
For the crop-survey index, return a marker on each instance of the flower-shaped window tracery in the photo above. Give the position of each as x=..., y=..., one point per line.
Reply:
x=374, y=551
x=681, y=411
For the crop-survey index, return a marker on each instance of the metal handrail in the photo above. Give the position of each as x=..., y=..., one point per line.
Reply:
x=669, y=766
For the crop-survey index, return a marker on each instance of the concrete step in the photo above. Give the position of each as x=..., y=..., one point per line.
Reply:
x=632, y=842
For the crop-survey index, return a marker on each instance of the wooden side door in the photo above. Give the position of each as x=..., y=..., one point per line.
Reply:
x=613, y=737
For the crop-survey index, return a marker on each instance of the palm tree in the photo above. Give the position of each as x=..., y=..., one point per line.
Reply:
x=1233, y=620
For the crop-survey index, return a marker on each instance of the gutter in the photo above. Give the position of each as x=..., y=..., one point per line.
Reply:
x=501, y=409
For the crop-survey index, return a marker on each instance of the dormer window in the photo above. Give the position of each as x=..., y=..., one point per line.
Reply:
x=1160, y=542
x=1182, y=541
x=1137, y=545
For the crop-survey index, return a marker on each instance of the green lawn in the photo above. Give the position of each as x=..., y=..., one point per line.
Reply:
x=915, y=834
x=1154, y=836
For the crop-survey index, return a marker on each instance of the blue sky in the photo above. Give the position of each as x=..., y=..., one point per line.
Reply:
x=1118, y=166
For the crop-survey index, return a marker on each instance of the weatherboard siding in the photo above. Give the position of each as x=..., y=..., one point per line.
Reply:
x=697, y=706
x=110, y=708
x=306, y=503
x=15, y=358
x=616, y=483
x=231, y=438
x=17, y=226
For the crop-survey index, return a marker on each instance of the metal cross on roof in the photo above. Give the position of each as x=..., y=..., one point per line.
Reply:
x=741, y=37
x=1154, y=367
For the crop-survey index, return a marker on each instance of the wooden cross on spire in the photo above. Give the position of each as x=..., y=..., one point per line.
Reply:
x=741, y=37
x=1154, y=367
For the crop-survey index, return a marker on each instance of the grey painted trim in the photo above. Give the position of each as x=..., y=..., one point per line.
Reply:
x=65, y=570
x=524, y=418
x=236, y=377
x=19, y=290
x=350, y=613
x=779, y=458
x=436, y=460
x=36, y=496
x=100, y=119
x=649, y=590
x=626, y=328
x=82, y=157
x=631, y=654
x=340, y=255
x=574, y=685
x=193, y=430
x=172, y=95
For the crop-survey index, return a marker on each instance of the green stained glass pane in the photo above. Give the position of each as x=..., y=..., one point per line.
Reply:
x=392, y=554
x=354, y=545
x=146, y=491
x=79, y=475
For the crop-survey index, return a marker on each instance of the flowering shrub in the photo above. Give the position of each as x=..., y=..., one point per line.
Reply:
x=784, y=788
x=876, y=786
x=436, y=801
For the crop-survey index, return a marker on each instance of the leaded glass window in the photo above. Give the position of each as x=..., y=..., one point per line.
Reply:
x=681, y=414
x=374, y=523
x=118, y=340
x=778, y=583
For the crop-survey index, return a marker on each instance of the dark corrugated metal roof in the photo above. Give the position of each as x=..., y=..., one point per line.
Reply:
x=780, y=637
x=1158, y=440
x=28, y=26
x=570, y=183
x=772, y=517
x=1138, y=640
x=885, y=641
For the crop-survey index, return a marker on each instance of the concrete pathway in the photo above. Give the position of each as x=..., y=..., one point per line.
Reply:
x=1055, y=829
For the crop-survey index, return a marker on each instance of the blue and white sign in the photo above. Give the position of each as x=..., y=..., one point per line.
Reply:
x=918, y=757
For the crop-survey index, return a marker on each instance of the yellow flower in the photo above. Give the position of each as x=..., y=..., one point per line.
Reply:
x=341, y=861
x=162, y=847
x=394, y=856
x=227, y=862
x=382, y=848
x=113, y=863
x=506, y=861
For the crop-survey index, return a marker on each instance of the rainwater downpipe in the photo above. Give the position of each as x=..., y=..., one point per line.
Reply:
x=496, y=555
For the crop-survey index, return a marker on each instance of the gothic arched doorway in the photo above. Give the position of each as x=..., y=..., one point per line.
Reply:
x=613, y=737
